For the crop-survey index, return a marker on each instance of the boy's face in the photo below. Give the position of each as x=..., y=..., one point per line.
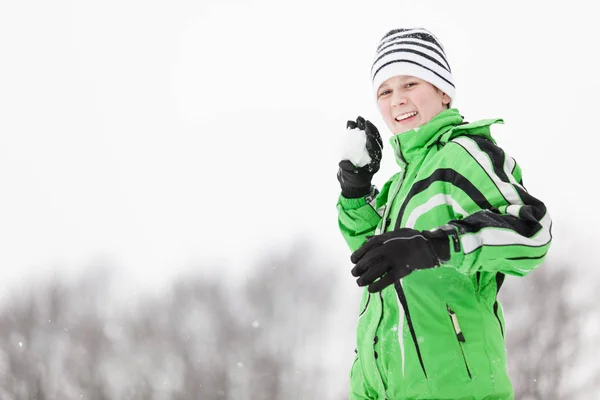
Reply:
x=406, y=102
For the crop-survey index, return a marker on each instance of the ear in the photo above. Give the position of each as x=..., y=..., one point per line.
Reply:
x=445, y=98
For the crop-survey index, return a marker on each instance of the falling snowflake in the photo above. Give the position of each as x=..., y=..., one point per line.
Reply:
x=256, y=324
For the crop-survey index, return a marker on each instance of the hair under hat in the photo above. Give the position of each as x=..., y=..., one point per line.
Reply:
x=415, y=52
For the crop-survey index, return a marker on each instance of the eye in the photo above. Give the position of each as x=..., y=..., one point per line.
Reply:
x=410, y=84
x=384, y=92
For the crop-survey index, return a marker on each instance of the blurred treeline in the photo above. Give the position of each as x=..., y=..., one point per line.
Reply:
x=280, y=334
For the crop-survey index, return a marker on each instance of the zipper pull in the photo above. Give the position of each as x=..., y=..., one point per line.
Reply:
x=457, y=329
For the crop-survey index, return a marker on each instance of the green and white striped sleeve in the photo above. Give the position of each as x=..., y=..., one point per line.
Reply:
x=506, y=229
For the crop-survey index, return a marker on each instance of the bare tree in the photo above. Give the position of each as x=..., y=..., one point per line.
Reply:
x=544, y=334
x=289, y=305
x=200, y=339
x=42, y=332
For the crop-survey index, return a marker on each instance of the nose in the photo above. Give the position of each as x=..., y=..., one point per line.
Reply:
x=398, y=99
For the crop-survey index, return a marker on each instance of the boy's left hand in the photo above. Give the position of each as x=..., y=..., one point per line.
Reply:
x=393, y=255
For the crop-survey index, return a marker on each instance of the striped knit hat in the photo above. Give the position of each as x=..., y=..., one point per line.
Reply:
x=415, y=52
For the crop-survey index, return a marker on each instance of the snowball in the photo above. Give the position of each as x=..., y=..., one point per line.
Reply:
x=354, y=147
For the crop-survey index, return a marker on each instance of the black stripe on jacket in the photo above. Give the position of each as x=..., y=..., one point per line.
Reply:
x=443, y=175
x=530, y=213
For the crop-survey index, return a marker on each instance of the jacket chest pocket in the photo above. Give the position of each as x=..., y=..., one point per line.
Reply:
x=460, y=337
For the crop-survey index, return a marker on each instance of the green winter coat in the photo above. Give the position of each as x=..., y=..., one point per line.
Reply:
x=439, y=333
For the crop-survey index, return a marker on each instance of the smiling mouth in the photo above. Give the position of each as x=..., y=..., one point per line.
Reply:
x=406, y=116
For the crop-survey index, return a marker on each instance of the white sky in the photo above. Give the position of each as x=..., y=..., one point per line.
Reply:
x=172, y=135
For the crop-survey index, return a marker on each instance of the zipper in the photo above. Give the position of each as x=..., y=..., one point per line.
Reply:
x=459, y=337
x=378, y=323
x=366, y=306
x=381, y=315
x=499, y=281
x=375, y=356
x=398, y=219
x=498, y=317
x=396, y=191
x=402, y=298
x=389, y=202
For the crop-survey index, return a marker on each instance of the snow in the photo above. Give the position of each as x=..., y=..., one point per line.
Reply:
x=353, y=147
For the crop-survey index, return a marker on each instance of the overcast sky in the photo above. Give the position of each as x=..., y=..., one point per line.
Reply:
x=170, y=135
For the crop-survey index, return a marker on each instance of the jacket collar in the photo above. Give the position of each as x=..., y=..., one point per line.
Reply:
x=409, y=146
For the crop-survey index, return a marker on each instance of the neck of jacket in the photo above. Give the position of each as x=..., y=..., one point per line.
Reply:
x=413, y=145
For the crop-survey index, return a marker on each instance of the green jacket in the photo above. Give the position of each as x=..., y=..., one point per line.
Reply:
x=439, y=333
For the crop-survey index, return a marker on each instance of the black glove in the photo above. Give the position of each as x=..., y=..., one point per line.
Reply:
x=393, y=255
x=355, y=181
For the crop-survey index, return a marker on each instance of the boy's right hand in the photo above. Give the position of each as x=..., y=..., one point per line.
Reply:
x=356, y=181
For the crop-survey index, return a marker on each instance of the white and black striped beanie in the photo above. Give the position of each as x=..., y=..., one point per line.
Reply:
x=415, y=52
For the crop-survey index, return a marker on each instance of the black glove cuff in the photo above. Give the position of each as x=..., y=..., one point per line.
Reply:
x=355, y=193
x=355, y=182
x=440, y=242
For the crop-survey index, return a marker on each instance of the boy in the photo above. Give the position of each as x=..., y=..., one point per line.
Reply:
x=433, y=246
